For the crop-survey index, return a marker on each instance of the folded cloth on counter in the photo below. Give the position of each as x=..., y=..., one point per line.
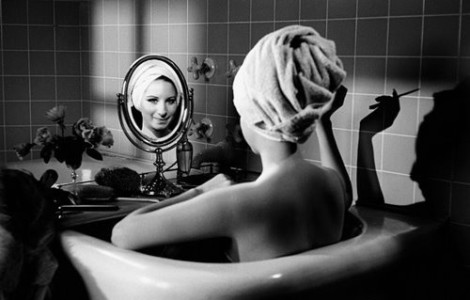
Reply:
x=27, y=216
x=283, y=79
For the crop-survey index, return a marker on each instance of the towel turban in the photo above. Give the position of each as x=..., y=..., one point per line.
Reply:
x=146, y=73
x=283, y=79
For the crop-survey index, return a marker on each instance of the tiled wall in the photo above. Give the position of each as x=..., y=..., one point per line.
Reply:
x=52, y=48
x=40, y=67
x=383, y=44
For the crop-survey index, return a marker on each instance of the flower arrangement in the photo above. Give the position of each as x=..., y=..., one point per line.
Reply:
x=85, y=137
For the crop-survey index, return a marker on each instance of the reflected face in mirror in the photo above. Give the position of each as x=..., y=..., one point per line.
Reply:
x=158, y=107
x=155, y=105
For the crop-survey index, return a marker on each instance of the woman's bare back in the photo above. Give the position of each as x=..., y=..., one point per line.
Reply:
x=295, y=208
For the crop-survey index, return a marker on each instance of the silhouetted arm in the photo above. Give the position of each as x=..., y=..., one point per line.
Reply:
x=368, y=185
x=385, y=111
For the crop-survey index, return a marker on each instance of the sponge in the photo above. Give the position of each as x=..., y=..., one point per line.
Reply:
x=123, y=180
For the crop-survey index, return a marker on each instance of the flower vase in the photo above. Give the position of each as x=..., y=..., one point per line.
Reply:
x=73, y=160
x=75, y=199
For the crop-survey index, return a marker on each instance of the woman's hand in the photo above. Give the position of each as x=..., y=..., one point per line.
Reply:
x=329, y=108
x=219, y=181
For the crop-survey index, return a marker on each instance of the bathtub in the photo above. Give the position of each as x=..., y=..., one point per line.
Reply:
x=392, y=252
x=370, y=265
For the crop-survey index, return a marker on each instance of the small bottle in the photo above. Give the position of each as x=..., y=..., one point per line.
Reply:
x=184, y=157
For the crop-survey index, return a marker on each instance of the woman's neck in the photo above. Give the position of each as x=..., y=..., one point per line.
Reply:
x=273, y=156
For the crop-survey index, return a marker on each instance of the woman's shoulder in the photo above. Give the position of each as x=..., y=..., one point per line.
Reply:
x=307, y=170
x=308, y=176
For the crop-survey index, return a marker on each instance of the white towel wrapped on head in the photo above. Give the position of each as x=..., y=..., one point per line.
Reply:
x=286, y=75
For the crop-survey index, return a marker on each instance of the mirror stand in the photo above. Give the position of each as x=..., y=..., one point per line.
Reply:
x=160, y=186
x=171, y=84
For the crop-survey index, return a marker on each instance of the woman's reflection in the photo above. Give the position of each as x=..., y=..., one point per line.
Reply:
x=158, y=103
x=156, y=96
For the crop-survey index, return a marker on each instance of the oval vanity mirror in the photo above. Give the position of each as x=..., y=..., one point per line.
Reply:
x=155, y=110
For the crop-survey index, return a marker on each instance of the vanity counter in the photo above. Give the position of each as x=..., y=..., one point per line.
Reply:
x=88, y=169
x=121, y=208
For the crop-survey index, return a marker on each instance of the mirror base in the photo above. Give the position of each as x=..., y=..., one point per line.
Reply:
x=161, y=187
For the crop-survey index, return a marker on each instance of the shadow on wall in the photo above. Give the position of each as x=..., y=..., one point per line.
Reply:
x=442, y=149
x=442, y=166
x=441, y=169
x=369, y=191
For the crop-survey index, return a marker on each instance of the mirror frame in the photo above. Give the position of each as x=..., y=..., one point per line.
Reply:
x=127, y=121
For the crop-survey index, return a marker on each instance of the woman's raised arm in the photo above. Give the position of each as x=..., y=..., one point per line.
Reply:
x=330, y=155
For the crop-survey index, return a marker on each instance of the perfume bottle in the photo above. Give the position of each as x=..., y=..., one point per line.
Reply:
x=184, y=157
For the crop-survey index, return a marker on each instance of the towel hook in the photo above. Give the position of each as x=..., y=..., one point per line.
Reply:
x=233, y=69
x=207, y=68
x=202, y=129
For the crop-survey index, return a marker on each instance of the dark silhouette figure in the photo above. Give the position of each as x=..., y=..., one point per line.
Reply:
x=369, y=191
x=443, y=147
x=441, y=169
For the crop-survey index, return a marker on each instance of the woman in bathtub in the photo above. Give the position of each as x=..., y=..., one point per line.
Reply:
x=288, y=86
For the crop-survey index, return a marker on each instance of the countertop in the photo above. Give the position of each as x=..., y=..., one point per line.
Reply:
x=88, y=169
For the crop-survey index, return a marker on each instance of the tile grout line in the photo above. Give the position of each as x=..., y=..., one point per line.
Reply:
x=206, y=87
x=418, y=104
x=383, y=135
x=103, y=64
x=29, y=73
x=54, y=24
x=454, y=150
x=353, y=98
x=262, y=21
x=3, y=89
x=80, y=62
x=122, y=136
